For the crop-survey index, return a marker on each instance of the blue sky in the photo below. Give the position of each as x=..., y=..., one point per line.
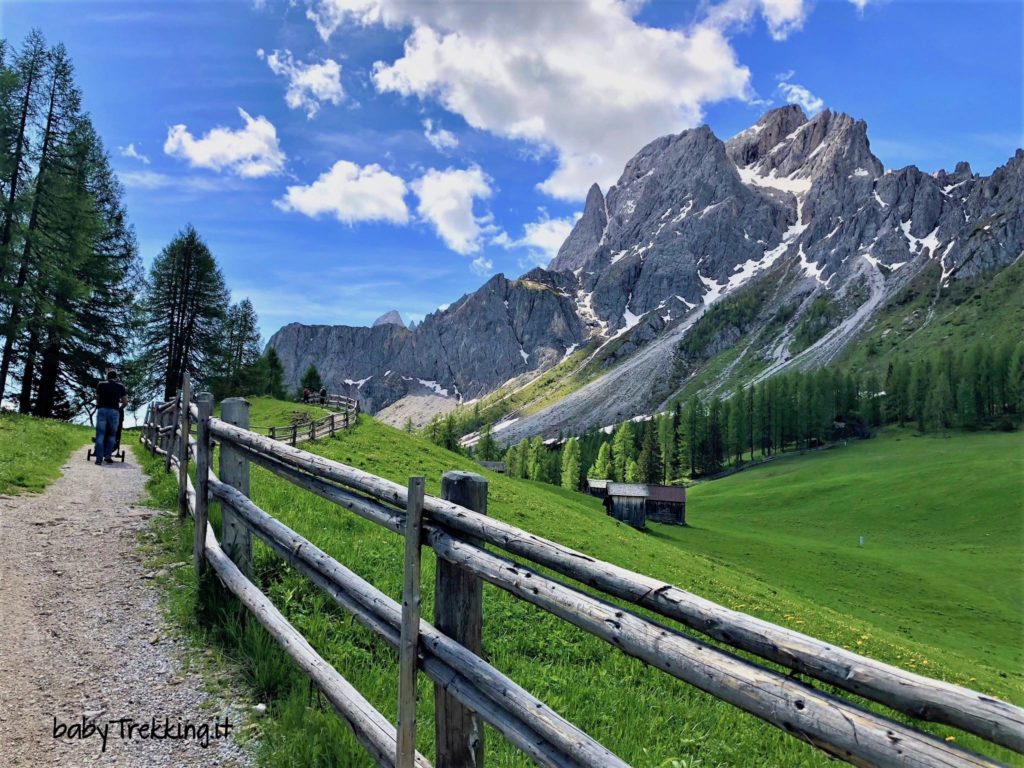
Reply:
x=346, y=157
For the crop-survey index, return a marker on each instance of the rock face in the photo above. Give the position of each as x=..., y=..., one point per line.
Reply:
x=800, y=205
x=389, y=318
x=503, y=330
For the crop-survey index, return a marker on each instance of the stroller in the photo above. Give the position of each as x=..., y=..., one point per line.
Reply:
x=118, y=452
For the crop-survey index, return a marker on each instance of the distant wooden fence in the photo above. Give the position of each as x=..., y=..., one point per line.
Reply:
x=331, y=400
x=469, y=691
x=326, y=426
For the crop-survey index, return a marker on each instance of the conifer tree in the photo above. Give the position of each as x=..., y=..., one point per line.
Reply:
x=918, y=392
x=872, y=410
x=633, y=472
x=571, y=464
x=311, y=380
x=714, y=452
x=273, y=375
x=487, y=447
x=535, y=464
x=1015, y=380
x=514, y=461
x=604, y=467
x=239, y=370
x=183, y=310
x=939, y=407
x=623, y=449
x=649, y=460
x=966, y=413
x=667, y=446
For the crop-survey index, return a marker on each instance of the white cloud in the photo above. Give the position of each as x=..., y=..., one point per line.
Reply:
x=439, y=139
x=482, y=266
x=541, y=238
x=350, y=193
x=593, y=97
x=133, y=153
x=861, y=4
x=798, y=94
x=250, y=152
x=309, y=85
x=782, y=17
x=446, y=200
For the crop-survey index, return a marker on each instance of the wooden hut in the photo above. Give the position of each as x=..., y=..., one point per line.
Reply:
x=597, y=488
x=494, y=466
x=666, y=504
x=635, y=503
x=627, y=502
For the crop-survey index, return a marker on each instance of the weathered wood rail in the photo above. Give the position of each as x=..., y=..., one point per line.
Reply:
x=468, y=690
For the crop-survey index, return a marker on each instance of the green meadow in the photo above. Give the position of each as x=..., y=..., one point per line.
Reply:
x=778, y=542
x=33, y=450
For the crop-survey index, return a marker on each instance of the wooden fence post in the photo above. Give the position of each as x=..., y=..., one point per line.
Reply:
x=236, y=539
x=410, y=638
x=151, y=431
x=458, y=613
x=185, y=420
x=312, y=429
x=172, y=421
x=295, y=434
x=204, y=451
x=273, y=433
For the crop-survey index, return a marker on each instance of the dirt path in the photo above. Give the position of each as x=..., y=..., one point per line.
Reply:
x=82, y=639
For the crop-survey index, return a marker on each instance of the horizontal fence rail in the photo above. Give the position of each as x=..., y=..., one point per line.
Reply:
x=346, y=415
x=469, y=688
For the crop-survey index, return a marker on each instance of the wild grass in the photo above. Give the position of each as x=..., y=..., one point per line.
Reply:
x=646, y=717
x=32, y=450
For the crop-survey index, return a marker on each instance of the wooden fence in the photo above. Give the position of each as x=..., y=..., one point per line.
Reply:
x=468, y=690
x=326, y=426
x=334, y=401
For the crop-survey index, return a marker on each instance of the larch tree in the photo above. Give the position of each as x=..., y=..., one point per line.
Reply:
x=623, y=449
x=183, y=310
x=68, y=258
x=604, y=467
x=571, y=464
x=239, y=370
x=487, y=447
x=649, y=460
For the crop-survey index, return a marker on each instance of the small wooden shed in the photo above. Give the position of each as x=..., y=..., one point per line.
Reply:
x=635, y=503
x=597, y=488
x=627, y=502
x=666, y=504
x=494, y=466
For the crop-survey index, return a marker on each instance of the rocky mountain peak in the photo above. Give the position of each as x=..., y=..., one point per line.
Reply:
x=749, y=146
x=389, y=318
x=585, y=235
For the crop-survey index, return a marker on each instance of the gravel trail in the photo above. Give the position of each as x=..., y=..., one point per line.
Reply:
x=82, y=640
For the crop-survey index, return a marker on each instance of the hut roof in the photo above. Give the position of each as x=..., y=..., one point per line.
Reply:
x=667, y=493
x=633, y=490
x=594, y=483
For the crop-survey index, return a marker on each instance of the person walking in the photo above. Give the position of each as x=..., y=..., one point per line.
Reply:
x=111, y=396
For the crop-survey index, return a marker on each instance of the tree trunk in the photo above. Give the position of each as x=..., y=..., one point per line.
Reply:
x=48, y=375
x=28, y=374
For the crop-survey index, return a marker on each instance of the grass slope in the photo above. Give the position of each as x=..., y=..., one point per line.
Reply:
x=32, y=450
x=644, y=716
x=987, y=310
x=942, y=561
